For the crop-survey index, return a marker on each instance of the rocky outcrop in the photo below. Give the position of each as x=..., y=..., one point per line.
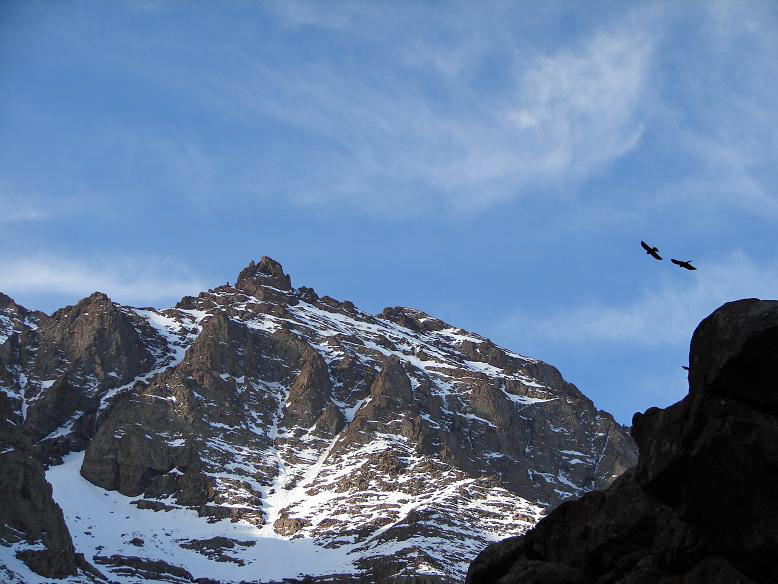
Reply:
x=309, y=396
x=700, y=505
x=60, y=368
x=30, y=521
x=32, y=526
x=144, y=570
x=261, y=280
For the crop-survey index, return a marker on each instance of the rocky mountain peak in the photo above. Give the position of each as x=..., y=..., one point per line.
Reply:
x=267, y=272
x=97, y=298
x=345, y=444
x=6, y=301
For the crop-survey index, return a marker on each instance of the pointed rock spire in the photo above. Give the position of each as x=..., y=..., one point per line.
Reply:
x=392, y=383
x=267, y=272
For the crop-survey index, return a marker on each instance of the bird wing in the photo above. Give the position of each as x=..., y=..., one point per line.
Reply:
x=645, y=246
x=676, y=262
x=656, y=255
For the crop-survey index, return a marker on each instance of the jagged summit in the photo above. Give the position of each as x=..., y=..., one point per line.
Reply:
x=267, y=272
x=6, y=301
x=265, y=431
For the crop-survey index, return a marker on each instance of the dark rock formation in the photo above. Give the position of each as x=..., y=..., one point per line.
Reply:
x=30, y=520
x=145, y=570
x=31, y=523
x=61, y=367
x=700, y=506
x=259, y=279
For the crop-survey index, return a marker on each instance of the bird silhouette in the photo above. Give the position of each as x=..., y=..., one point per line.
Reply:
x=687, y=265
x=652, y=251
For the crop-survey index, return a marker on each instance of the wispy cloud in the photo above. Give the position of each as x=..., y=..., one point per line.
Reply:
x=404, y=106
x=663, y=316
x=558, y=118
x=439, y=110
x=717, y=108
x=129, y=280
x=579, y=110
x=478, y=112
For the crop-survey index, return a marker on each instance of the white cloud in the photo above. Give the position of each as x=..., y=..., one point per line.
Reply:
x=557, y=117
x=582, y=106
x=397, y=107
x=664, y=316
x=566, y=117
x=130, y=280
x=558, y=113
x=17, y=215
x=419, y=121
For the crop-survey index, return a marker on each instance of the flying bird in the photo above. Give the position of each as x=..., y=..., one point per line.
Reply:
x=688, y=265
x=652, y=251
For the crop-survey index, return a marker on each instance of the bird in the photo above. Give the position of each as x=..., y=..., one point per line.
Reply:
x=652, y=251
x=687, y=264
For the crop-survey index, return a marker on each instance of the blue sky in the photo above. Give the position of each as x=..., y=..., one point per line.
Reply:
x=494, y=164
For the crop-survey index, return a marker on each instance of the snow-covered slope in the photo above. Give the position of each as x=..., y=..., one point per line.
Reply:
x=260, y=432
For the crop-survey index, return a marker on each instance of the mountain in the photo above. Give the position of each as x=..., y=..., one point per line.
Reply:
x=700, y=506
x=262, y=432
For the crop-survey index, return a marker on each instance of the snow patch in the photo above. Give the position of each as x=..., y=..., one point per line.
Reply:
x=86, y=508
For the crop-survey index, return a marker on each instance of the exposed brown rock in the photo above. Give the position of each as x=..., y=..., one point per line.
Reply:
x=309, y=393
x=29, y=514
x=216, y=548
x=268, y=273
x=241, y=392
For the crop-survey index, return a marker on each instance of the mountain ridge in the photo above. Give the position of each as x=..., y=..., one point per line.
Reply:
x=377, y=438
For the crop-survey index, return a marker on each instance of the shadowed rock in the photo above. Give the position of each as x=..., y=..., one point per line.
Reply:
x=267, y=273
x=700, y=505
x=29, y=515
x=309, y=392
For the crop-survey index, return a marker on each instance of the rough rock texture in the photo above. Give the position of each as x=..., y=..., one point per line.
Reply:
x=57, y=371
x=396, y=445
x=31, y=523
x=700, y=506
x=145, y=570
x=32, y=526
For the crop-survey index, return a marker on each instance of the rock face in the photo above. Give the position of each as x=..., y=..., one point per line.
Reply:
x=376, y=447
x=31, y=523
x=701, y=504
